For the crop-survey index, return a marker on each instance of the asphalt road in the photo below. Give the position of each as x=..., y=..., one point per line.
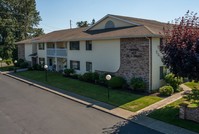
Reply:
x=25, y=109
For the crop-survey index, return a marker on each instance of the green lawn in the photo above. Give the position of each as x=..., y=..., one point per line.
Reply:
x=192, y=84
x=170, y=114
x=123, y=99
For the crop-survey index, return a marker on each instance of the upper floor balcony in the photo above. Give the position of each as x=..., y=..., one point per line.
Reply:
x=58, y=49
x=56, y=52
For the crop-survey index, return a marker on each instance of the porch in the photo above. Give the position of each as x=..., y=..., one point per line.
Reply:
x=56, y=64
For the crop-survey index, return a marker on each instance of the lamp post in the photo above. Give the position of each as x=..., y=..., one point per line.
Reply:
x=108, y=77
x=15, y=69
x=1, y=61
x=46, y=68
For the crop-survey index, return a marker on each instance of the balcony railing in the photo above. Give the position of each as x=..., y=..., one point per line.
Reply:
x=56, y=52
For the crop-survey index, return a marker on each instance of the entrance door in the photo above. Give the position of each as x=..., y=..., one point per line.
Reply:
x=50, y=62
x=34, y=61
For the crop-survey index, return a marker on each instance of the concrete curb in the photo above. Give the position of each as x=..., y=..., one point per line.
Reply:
x=67, y=96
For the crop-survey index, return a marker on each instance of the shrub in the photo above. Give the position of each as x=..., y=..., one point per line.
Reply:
x=30, y=68
x=173, y=81
x=10, y=68
x=74, y=76
x=37, y=67
x=95, y=77
x=69, y=72
x=24, y=65
x=88, y=77
x=102, y=80
x=80, y=77
x=8, y=61
x=193, y=96
x=19, y=62
x=166, y=90
x=116, y=82
x=138, y=84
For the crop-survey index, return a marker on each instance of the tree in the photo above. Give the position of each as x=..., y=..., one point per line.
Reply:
x=18, y=19
x=93, y=22
x=181, y=47
x=82, y=24
x=85, y=23
x=37, y=32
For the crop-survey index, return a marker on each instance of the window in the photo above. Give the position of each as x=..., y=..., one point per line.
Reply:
x=89, y=66
x=74, y=45
x=163, y=72
x=41, y=61
x=109, y=24
x=41, y=46
x=88, y=45
x=51, y=45
x=75, y=65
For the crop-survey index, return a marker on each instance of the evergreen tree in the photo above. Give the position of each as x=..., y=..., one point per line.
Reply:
x=18, y=19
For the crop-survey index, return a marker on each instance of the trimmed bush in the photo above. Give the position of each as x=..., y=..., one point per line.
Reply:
x=102, y=80
x=10, y=68
x=166, y=90
x=19, y=62
x=74, y=76
x=138, y=84
x=69, y=72
x=24, y=65
x=8, y=61
x=116, y=82
x=173, y=81
x=95, y=77
x=80, y=77
x=37, y=67
x=88, y=77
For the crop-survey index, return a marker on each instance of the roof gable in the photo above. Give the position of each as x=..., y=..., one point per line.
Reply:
x=127, y=27
x=113, y=20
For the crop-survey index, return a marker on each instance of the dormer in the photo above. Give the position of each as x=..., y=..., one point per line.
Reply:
x=110, y=22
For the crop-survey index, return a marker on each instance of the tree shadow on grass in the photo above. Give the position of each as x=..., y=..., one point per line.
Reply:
x=170, y=114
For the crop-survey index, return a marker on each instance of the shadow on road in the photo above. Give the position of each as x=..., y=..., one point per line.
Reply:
x=127, y=127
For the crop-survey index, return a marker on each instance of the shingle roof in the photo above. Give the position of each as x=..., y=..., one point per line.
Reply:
x=146, y=28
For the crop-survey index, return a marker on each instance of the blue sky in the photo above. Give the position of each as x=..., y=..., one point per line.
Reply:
x=56, y=14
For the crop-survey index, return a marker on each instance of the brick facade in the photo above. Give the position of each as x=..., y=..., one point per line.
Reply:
x=21, y=51
x=134, y=58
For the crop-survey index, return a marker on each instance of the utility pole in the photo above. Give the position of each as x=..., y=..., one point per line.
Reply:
x=70, y=24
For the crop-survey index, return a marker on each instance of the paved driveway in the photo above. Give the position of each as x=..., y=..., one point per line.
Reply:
x=25, y=109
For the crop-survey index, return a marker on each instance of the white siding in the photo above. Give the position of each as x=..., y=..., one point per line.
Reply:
x=118, y=23
x=28, y=51
x=42, y=53
x=156, y=63
x=105, y=56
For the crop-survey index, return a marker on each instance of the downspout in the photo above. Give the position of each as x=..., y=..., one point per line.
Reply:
x=150, y=64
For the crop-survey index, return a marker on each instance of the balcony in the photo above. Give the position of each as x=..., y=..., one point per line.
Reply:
x=58, y=52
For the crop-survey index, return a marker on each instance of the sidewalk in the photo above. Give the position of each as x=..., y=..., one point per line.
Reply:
x=136, y=117
x=164, y=102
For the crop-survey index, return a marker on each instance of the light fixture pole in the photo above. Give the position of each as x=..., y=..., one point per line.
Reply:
x=15, y=68
x=46, y=68
x=1, y=61
x=108, y=77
